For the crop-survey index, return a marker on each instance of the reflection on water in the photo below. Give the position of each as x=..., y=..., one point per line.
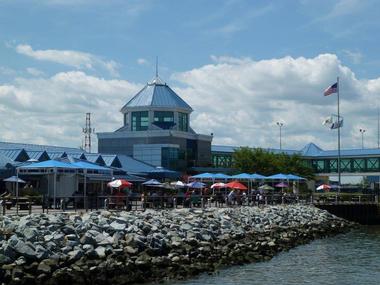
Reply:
x=352, y=258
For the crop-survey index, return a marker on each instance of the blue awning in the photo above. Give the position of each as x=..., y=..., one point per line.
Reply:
x=295, y=177
x=279, y=176
x=242, y=176
x=257, y=176
x=221, y=176
x=87, y=165
x=204, y=176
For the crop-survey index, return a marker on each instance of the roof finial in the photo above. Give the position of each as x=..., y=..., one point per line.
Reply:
x=156, y=66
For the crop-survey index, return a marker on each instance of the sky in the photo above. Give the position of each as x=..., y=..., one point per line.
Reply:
x=243, y=65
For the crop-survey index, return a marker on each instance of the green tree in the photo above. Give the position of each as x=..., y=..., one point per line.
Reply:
x=252, y=160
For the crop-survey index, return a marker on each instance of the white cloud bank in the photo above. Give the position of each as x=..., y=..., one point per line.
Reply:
x=239, y=100
x=77, y=59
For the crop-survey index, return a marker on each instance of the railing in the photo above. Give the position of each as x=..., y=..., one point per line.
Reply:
x=28, y=205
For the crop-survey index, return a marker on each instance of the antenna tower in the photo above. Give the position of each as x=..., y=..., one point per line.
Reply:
x=87, y=131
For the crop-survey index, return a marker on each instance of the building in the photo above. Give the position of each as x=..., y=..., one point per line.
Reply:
x=156, y=129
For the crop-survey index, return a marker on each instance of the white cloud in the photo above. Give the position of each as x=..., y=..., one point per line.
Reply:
x=34, y=71
x=77, y=59
x=142, y=61
x=52, y=110
x=240, y=101
x=355, y=56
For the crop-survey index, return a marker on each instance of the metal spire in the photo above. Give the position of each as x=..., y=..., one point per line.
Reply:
x=156, y=66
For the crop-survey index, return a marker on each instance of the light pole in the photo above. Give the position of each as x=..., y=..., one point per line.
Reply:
x=280, y=125
x=362, y=131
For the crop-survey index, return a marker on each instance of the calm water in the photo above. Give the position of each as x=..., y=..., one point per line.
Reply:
x=352, y=258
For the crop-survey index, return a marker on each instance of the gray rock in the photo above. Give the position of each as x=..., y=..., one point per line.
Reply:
x=101, y=251
x=31, y=234
x=117, y=226
x=75, y=254
x=186, y=227
x=25, y=250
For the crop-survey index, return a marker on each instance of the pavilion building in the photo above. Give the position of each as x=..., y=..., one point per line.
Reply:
x=156, y=130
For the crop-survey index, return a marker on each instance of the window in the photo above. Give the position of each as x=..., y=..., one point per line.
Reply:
x=163, y=116
x=140, y=121
x=164, y=119
x=183, y=121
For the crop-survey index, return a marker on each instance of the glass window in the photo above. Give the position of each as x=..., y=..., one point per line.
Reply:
x=183, y=122
x=140, y=121
x=163, y=116
x=373, y=163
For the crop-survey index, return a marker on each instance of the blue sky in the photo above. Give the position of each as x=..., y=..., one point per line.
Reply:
x=51, y=47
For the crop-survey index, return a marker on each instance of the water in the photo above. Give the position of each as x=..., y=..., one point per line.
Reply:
x=352, y=258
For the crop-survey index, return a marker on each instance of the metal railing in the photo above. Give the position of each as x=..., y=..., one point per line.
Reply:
x=138, y=202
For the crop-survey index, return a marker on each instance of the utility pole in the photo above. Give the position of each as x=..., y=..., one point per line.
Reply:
x=280, y=125
x=362, y=131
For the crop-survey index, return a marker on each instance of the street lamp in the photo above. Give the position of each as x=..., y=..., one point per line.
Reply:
x=280, y=125
x=362, y=131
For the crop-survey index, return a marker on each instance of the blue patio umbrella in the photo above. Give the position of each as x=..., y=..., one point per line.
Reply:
x=152, y=182
x=257, y=176
x=161, y=173
x=205, y=175
x=242, y=176
x=278, y=176
x=295, y=177
x=196, y=184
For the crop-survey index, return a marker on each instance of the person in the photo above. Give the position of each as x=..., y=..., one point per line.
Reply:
x=231, y=197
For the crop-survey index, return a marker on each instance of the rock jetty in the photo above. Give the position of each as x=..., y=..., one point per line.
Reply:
x=133, y=247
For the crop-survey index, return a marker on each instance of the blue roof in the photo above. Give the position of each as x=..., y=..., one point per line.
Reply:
x=157, y=94
x=49, y=164
x=88, y=165
x=132, y=165
x=4, y=160
x=15, y=154
x=56, y=154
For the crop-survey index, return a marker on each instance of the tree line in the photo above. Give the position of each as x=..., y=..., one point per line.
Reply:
x=257, y=160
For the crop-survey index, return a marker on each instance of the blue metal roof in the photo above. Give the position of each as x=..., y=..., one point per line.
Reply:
x=56, y=154
x=157, y=94
x=4, y=160
x=49, y=164
x=15, y=154
x=112, y=160
x=132, y=165
x=88, y=165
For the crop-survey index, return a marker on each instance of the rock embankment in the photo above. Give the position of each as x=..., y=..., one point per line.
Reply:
x=132, y=247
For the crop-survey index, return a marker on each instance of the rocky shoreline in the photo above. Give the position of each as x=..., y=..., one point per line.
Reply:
x=134, y=247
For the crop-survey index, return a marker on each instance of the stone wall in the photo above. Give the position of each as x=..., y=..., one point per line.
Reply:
x=134, y=247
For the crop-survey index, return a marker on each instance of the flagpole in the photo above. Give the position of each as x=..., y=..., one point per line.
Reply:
x=339, y=176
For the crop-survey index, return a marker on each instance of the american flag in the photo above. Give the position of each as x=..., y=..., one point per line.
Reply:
x=331, y=89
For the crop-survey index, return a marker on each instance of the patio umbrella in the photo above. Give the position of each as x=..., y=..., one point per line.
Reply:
x=266, y=187
x=236, y=185
x=177, y=184
x=196, y=184
x=218, y=185
x=14, y=179
x=119, y=183
x=281, y=185
x=324, y=187
x=152, y=182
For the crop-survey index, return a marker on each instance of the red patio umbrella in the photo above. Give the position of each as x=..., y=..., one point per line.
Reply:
x=236, y=185
x=119, y=183
x=324, y=187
